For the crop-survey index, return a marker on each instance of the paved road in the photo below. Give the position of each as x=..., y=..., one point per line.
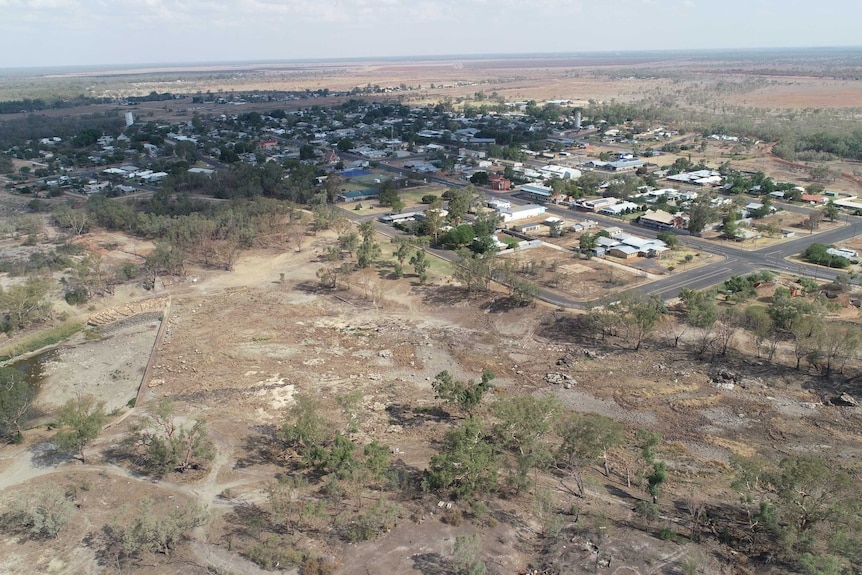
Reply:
x=734, y=261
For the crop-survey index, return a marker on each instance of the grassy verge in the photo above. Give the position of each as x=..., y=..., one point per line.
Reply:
x=40, y=339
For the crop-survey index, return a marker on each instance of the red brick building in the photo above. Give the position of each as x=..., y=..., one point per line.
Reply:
x=499, y=183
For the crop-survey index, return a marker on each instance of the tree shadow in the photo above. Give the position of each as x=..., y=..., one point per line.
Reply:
x=260, y=448
x=432, y=564
x=311, y=287
x=123, y=454
x=385, y=269
x=407, y=416
x=620, y=493
x=448, y=294
x=44, y=455
x=501, y=305
x=248, y=520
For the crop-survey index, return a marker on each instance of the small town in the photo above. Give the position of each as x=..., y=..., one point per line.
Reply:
x=277, y=296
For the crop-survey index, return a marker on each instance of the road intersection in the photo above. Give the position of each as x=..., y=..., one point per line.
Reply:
x=734, y=261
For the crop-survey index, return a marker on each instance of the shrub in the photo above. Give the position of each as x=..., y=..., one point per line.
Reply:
x=274, y=552
x=666, y=534
x=77, y=295
x=43, y=512
x=647, y=510
x=128, y=271
x=376, y=521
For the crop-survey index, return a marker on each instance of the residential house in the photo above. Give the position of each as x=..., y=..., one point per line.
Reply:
x=661, y=220
x=623, y=251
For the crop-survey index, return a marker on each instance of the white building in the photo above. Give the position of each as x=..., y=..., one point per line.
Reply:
x=562, y=172
x=522, y=212
x=619, y=208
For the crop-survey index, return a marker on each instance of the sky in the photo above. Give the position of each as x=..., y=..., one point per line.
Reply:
x=114, y=32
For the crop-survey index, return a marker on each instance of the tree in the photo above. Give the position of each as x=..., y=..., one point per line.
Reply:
x=368, y=250
x=524, y=421
x=156, y=528
x=831, y=211
x=170, y=446
x=466, y=395
x=165, y=259
x=304, y=428
x=640, y=315
x=16, y=398
x=76, y=221
x=819, y=254
x=814, y=501
x=26, y=303
x=759, y=322
x=307, y=152
x=730, y=229
x=784, y=309
x=473, y=271
x=420, y=265
x=729, y=321
x=656, y=477
x=587, y=241
x=401, y=253
x=348, y=242
x=701, y=313
x=585, y=439
x=460, y=202
x=466, y=463
x=388, y=194
x=669, y=238
x=43, y=512
x=480, y=178
x=467, y=556
x=822, y=173
x=700, y=214
x=806, y=332
x=522, y=291
x=813, y=221
x=81, y=420
x=459, y=236
x=432, y=222
x=837, y=345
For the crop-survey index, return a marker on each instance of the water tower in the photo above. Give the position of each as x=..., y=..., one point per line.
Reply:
x=577, y=119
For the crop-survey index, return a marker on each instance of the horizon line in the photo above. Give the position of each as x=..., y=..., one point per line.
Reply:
x=427, y=57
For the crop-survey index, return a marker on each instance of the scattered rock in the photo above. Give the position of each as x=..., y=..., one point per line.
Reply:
x=725, y=376
x=385, y=353
x=844, y=400
x=559, y=379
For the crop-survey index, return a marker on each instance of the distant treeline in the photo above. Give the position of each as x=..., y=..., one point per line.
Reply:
x=16, y=131
x=841, y=145
x=37, y=104
x=810, y=134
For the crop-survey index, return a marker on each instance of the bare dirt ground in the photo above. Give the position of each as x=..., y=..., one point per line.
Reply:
x=240, y=345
